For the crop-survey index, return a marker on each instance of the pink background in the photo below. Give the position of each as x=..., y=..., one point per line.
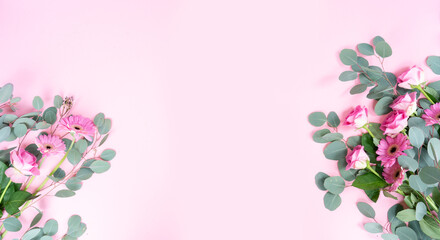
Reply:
x=209, y=101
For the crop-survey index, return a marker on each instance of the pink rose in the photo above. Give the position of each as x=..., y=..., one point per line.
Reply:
x=358, y=117
x=412, y=77
x=357, y=158
x=24, y=164
x=395, y=122
x=406, y=103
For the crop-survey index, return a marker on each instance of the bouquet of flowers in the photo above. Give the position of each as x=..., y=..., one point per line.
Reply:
x=35, y=146
x=398, y=157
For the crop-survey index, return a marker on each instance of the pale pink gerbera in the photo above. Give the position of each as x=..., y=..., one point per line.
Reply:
x=390, y=149
x=394, y=175
x=50, y=145
x=80, y=126
x=432, y=115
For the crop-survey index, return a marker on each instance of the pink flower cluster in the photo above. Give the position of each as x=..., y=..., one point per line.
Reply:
x=24, y=164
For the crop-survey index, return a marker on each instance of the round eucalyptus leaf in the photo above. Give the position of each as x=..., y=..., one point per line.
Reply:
x=348, y=76
x=108, y=154
x=81, y=145
x=100, y=166
x=4, y=133
x=36, y=219
x=32, y=233
x=99, y=119
x=335, y=185
x=330, y=137
x=46, y=238
x=9, y=118
x=58, y=101
x=65, y=193
x=84, y=173
x=407, y=215
x=430, y=227
x=383, y=106
x=20, y=130
x=318, y=136
x=333, y=120
x=434, y=63
x=408, y=163
x=434, y=149
x=420, y=211
x=105, y=128
x=74, y=156
x=335, y=150
x=383, y=49
x=366, y=209
x=317, y=119
x=377, y=39
x=373, y=227
x=406, y=233
x=360, y=88
x=365, y=49
x=50, y=115
x=74, y=184
x=12, y=224
x=37, y=103
x=430, y=175
x=77, y=232
x=389, y=236
x=50, y=227
x=348, y=57
x=319, y=180
x=42, y=125
x=332, y=201
x=416, y=137
x=348, y=175
x=6, y=92
x=353, y=141
x=15, y=100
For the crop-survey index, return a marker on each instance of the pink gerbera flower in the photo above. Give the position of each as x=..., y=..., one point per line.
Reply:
x=394, y=175
x=432, y=115
x=80, y=126
x=390, y=149
x=50, y=145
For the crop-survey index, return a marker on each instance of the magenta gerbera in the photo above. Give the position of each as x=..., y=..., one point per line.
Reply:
x=50, y=145
x=390, y=149
x=394, y=175
x=80, y=126
x=432, y=115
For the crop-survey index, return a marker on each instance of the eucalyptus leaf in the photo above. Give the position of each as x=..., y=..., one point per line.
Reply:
x=382, y=106
x=4, y=133
x=420, y=211
x=417, y=184
x=430, y=227
x=58, y=101
x=50, y=227
x=332, y=201
x=31, y=234
x=383, y=49
x=12, y=224
x=430, y=175
x=348, y=76
x=108, y=154
x=333, y=120
x=416, y=137
x=348, y=57
x=335, y=185
x=353, y=141
x=360, y=88
x=319, y=180
x=317, y=119
x=6, y=92
x=389, y=236
x=373, y=227
x=406, y=233
x=365, y=49
x=407, y=215
x=318, y=136
x=20, y=130
x=366, y=209
x=408, y=163
x=50, y=115
x=330, y=137
x=37, y=103
x=335, y=150
x=36, y=219
x=377, y=39
x=434, y=63
x=434, y=149
x=65, y=193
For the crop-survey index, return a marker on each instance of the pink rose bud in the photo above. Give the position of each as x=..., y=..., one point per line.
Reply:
x=406, y=103
x=412, y=77
x=357, y=158
x=395, y=122
x=24, y=165
x=358, y=117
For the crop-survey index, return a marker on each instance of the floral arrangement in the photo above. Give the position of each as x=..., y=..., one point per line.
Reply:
x=398, y=157
x=35, y=146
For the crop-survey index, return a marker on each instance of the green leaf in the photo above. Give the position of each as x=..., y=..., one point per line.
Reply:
x=383, y=105
x=59, y=174
x=348, y=175
x=102, y=166
x=51, y=227
x=335, y=150
x=74, y=184
x=6, y=92
x=420, y=211
x=348, y=76
x=373, y=195
x=15, y=100
x=50, y=115
x=335, y=185
x=4, y=133
x=20, y=130
x=319, y=180
x=348, y=57
x=434, y=149
x=369, y=181
x=408, y=163
x=37, y=103
x=77, y=232
x=105, y=128
x=383, y=49
x=12, y=224
x=416, y=137
x=65, y=193
x=17, y=199
x=318, y=136
x=108, y=154
x=407, y=215
x=377, y=39
x=42, y=125
x=388, y=195
x=373, y=227
x=365, y=49
x=74, y=156
x=99, y=119
x=430, y=227
x=28, y=121
x=332, y=201
x=81, y=145
x=58, y=101
x=430, y=175
x=32, y=233
x=333, y=120
x=84, y=173
x=103, y=140
x=9, y=118
x=330, y=137
x=389, y=236
x=366, y=209
x=317, y=119
x=360, y=88
x=406, y=233
x=37, y=218
x=353, y=141
x=362, y=63
x=434, y=63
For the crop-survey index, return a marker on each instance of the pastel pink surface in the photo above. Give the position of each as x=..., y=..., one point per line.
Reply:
x=209, y=101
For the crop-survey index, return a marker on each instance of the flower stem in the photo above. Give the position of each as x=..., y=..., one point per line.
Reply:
x=33, y=177
x=368, y=130
x=372, y=170
x=4, y=191
x=418, y=87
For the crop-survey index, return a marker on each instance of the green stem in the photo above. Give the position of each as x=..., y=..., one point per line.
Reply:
x=368, y=130
x=4, y=191
x=400, y=192
x=33, y=177
x=372, y=170
x=418, y=87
